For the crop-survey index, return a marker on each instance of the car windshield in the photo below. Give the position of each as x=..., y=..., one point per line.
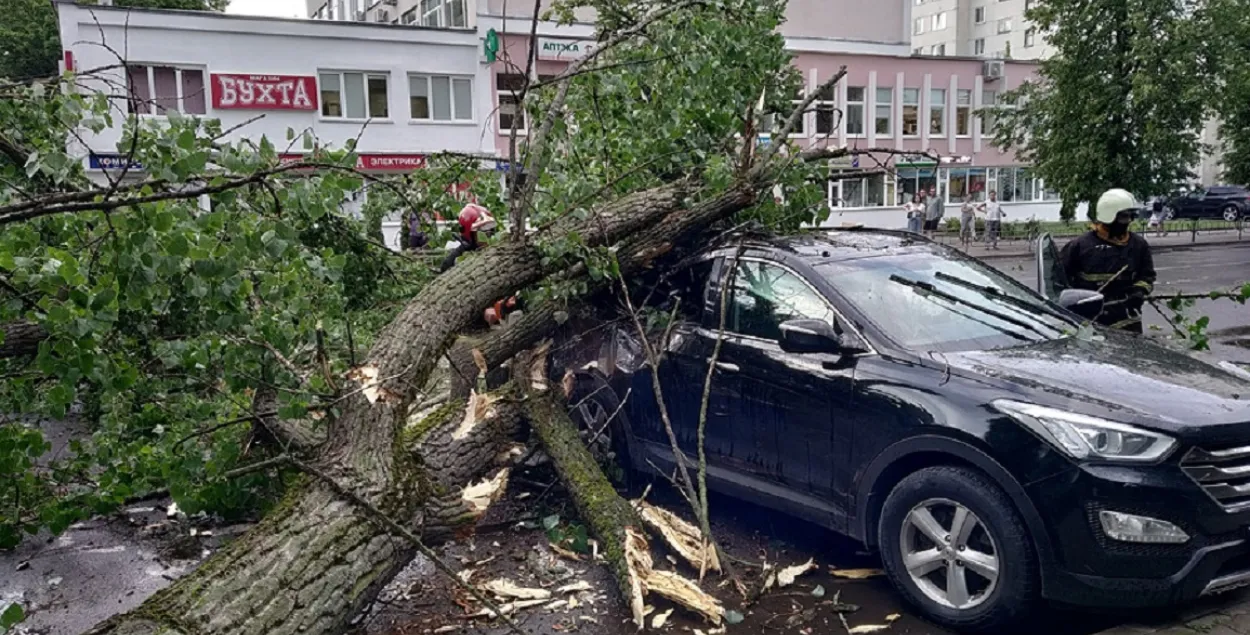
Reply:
x=927, y=301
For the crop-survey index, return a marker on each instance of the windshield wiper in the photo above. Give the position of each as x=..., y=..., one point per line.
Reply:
x=997, y=293
x=934, y=291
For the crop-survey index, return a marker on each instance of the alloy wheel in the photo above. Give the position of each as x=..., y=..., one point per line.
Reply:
x=1169, y=213
x=1231, y=213
x=949, y=554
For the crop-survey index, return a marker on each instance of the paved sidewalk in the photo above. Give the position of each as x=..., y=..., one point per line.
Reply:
x=1222, y=615
x=1020, y=248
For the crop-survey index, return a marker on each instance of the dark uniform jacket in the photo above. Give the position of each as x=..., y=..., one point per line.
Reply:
x=1092, y=262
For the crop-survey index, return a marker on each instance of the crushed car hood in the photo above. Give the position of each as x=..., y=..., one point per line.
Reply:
x=1123, y=378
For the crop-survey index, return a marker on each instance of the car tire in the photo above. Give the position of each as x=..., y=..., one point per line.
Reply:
x=998, y=537
x=1231, y=213
x=600, y=418
x=1169, y=213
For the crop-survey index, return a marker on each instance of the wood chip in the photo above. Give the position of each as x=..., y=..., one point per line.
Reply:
x=682, y=537
x=686, y=593
x=576, y=587
x=480, y=496
x=658, y=621
x=856, y=574
x=565, y=553
x=505, y=588
x=786, y=576
x=511, y=607
x=869, y=628
x=638, y=564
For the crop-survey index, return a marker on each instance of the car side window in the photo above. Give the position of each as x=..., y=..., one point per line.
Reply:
x=687, y=285
x=765, y=295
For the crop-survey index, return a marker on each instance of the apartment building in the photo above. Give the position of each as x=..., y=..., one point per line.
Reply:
x=976, y=28
x=409, y=90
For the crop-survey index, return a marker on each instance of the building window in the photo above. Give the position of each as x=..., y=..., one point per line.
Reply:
x=156, y=90
x=443, y=13
x=978, y=46
x=966, y=183
x=856, y=189
x=918, y=27
x=1029, y=37
x=885, y=111
x=409, y=16
x=354, y=95
x=855, y=111
x=939, y=21
x=913, y=180
x=911, y=112
x=511, y=112
x=963, y=112
x=979, y=15
x=919, y=50
x=1004, y=25
x=937, y=112
x=440, y=98
x=989, y=103
x=827, y=112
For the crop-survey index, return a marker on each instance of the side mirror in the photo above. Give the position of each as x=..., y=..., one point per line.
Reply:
x=809, y=336
x=1085, y=303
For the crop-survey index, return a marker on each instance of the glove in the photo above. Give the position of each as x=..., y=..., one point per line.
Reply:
x=1136, y=298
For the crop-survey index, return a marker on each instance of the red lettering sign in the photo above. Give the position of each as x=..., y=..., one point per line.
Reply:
x=264, y=92
x=376, y=162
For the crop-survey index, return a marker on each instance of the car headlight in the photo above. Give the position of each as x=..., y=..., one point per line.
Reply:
x=1084, y=437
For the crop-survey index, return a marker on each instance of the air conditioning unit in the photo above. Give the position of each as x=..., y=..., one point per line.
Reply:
x=383, y=16
x=993, y=70
x=360, y=16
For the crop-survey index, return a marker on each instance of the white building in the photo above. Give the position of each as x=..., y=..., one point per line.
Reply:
x=978, y=28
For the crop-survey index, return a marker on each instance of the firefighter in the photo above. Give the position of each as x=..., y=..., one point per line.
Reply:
x=1114, y=261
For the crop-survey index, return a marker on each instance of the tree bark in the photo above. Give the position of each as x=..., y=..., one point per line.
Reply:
x=317, y=561
x=21, y=339
x=608, y=515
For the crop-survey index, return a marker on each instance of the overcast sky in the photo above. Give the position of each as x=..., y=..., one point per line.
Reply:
x=278, y=8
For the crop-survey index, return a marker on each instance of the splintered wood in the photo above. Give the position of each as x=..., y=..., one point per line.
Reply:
x=684, y=539
x=643, y=580
x=480, y=496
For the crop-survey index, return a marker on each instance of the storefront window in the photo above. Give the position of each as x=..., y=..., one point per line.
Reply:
x=958, y=184
x=859, y=190
x=976, y=183
x=913, y=180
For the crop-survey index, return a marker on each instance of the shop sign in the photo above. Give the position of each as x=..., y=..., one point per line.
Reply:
x=563, y=50
x=264, y=92
x=915, y=160
x=960, y=160
x=111, y=162
x=376, y=162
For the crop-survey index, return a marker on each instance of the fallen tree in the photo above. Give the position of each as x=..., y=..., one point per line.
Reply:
x=375, y=483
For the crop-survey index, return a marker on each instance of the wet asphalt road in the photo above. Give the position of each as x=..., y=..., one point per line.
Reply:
x=106, y=566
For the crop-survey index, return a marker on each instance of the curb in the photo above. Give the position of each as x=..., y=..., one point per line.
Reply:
x=1016, y=255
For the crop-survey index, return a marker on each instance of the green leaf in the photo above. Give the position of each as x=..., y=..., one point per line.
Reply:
x=12, y=616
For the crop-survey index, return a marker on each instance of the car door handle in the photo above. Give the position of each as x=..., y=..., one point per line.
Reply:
x=727, y=367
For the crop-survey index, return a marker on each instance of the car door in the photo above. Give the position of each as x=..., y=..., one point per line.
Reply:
x=783, y=416
x=1051, y=277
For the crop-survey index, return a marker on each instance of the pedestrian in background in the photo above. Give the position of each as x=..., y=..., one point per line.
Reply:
x=993, y=219
x=934, y=210
x=915, y=213
x=967, y=222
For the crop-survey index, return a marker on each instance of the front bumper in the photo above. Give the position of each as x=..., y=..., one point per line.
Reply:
x=1090, y=569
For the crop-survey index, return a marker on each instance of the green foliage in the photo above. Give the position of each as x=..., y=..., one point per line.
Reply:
x=1177, y=311
x=1120, y=104
x=162, y=316
x=571, y=536
x=1228, y=53
x=30, y=45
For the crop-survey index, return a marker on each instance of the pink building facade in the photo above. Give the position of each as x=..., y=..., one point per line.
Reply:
x=930, y=106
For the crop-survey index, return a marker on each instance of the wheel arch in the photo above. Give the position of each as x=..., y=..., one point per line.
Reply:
x=908, y=456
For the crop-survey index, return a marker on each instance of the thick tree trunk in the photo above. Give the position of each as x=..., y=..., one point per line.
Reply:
x=317, y=561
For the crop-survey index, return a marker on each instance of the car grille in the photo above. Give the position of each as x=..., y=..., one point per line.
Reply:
x=1223, y=474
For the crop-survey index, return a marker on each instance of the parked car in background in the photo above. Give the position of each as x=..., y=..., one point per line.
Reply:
x=1227, y=202
x=992, y=448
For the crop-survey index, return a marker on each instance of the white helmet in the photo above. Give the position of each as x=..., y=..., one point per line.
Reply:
x=1112, y=202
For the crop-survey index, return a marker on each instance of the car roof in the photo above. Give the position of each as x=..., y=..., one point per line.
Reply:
x=835, y=244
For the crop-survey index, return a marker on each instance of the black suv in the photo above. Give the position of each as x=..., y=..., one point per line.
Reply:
x=1229, y=202
x=993, y=449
